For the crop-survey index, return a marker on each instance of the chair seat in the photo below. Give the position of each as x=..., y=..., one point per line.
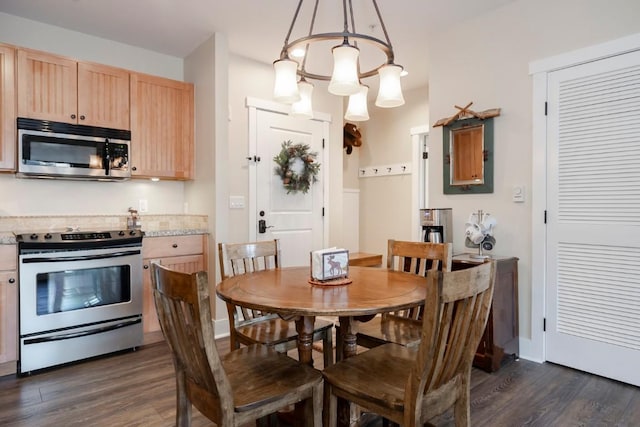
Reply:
x=394, y=329
x=273, y=331
x=389, y=364
x=258, y=375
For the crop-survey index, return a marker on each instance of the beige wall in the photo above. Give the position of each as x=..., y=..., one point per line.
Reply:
x=486, y=60
x=385, y=202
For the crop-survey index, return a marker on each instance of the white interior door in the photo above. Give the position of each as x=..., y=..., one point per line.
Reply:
x=593, y=226
x=295, y=218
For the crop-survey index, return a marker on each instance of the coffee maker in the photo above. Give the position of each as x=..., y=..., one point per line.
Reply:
x=436, y=225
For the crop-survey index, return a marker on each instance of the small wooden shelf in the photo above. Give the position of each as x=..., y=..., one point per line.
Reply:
x=362, y=259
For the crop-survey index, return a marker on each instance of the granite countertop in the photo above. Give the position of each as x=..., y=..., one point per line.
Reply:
x=185, y=232
x=152, y=225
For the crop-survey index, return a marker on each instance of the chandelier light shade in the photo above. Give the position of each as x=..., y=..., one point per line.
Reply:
x=357, y=108
x=347, y=73
x=390, y=91
x=344, y=79
x=285, y=88
x=303, y=108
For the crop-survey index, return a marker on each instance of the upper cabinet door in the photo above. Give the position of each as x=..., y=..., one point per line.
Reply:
x=63, y=90
x=103, y=96
x=161, y=128
x=48, y=87
x=7, y=109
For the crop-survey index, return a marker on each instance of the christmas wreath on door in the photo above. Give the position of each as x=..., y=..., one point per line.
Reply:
x=296, y=166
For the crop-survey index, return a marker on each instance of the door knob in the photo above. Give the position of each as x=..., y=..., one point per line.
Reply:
x=262, y=226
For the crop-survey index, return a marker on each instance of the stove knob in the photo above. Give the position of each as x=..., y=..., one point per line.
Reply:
x=132, y=232
x=120, y=233
x=34, y=236
x=48, y=236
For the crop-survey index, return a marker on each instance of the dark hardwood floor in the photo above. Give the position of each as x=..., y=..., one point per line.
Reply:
x=138, y=389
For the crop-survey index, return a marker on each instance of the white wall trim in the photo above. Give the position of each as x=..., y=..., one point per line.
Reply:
x=534, y=348
x=277, y=107
x=588, y=54
x=420, y=170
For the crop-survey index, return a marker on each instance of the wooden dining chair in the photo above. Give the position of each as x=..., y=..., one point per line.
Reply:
x=404, y=327
x=410, y=386
x=231, y=390
x=252, y=326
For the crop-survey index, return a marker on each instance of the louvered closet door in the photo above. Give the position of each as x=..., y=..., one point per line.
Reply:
x=593, y=229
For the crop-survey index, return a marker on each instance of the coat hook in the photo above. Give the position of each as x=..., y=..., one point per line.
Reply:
x=388, y=170
x=404, y=168
x=375, y=170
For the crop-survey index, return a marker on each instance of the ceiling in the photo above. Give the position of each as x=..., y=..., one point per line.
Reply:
x=254, y=28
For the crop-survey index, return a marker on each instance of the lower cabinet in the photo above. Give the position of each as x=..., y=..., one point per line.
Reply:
x=500, y=339
x=8, y=309
x=181, y=253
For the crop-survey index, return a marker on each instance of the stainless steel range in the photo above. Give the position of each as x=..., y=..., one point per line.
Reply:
x=80, y=295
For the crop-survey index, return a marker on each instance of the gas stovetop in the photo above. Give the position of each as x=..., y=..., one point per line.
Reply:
x=79, y=239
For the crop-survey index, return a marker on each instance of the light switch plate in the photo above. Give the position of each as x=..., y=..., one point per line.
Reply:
x=518, y=194
x=236, y=202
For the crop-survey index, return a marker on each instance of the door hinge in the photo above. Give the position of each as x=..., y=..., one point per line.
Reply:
x=322, y=211
x=323, y=143
x=545, y=216
x=425, y=155
x=546, y=105
x=544, y=324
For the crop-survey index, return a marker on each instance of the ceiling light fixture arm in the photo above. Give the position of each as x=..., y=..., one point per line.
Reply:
x=343, y=37
x=284, y=54
x=390, y=57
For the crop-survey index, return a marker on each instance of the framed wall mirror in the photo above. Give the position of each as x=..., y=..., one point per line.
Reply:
x=468, y=156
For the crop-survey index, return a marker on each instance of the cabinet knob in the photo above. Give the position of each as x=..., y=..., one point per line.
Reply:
x=73, y=116
x=12, y=280
x=82, y=117
x=133, y=168
x=146, y=266
x=175, y=245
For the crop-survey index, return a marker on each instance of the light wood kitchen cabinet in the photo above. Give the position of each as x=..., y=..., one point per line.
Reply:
x=7, y=109
x=162, y=127
x=8, y=308
x=182, y=253
x=60, y=89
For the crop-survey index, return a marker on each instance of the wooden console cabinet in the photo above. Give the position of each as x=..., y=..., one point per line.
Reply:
x=500, y=339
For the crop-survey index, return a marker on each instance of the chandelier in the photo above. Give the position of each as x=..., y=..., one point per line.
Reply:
x=291, y=85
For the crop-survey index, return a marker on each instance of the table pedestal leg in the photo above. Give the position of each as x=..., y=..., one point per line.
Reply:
x=348, y=330
x=304, y=328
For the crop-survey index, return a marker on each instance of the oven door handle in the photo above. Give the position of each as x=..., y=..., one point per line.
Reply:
x=83, y=333
x=79, y=258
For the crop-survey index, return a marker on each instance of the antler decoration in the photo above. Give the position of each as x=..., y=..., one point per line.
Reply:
x=465, y=112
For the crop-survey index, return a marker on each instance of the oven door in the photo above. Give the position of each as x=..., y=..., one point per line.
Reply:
x=66, y=289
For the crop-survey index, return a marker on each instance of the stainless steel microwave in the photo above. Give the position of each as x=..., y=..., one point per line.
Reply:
x=49, y=149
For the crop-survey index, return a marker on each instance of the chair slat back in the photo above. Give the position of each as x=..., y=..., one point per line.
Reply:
x=455, y=315
x=417, y=258
x=241, y=258
x=183, y=306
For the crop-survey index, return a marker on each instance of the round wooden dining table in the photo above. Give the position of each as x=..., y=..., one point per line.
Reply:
x=289, y=293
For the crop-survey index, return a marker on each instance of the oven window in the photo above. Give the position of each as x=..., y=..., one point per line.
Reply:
x=83, y=288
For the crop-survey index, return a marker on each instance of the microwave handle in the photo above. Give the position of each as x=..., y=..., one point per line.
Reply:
x=107, y=157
